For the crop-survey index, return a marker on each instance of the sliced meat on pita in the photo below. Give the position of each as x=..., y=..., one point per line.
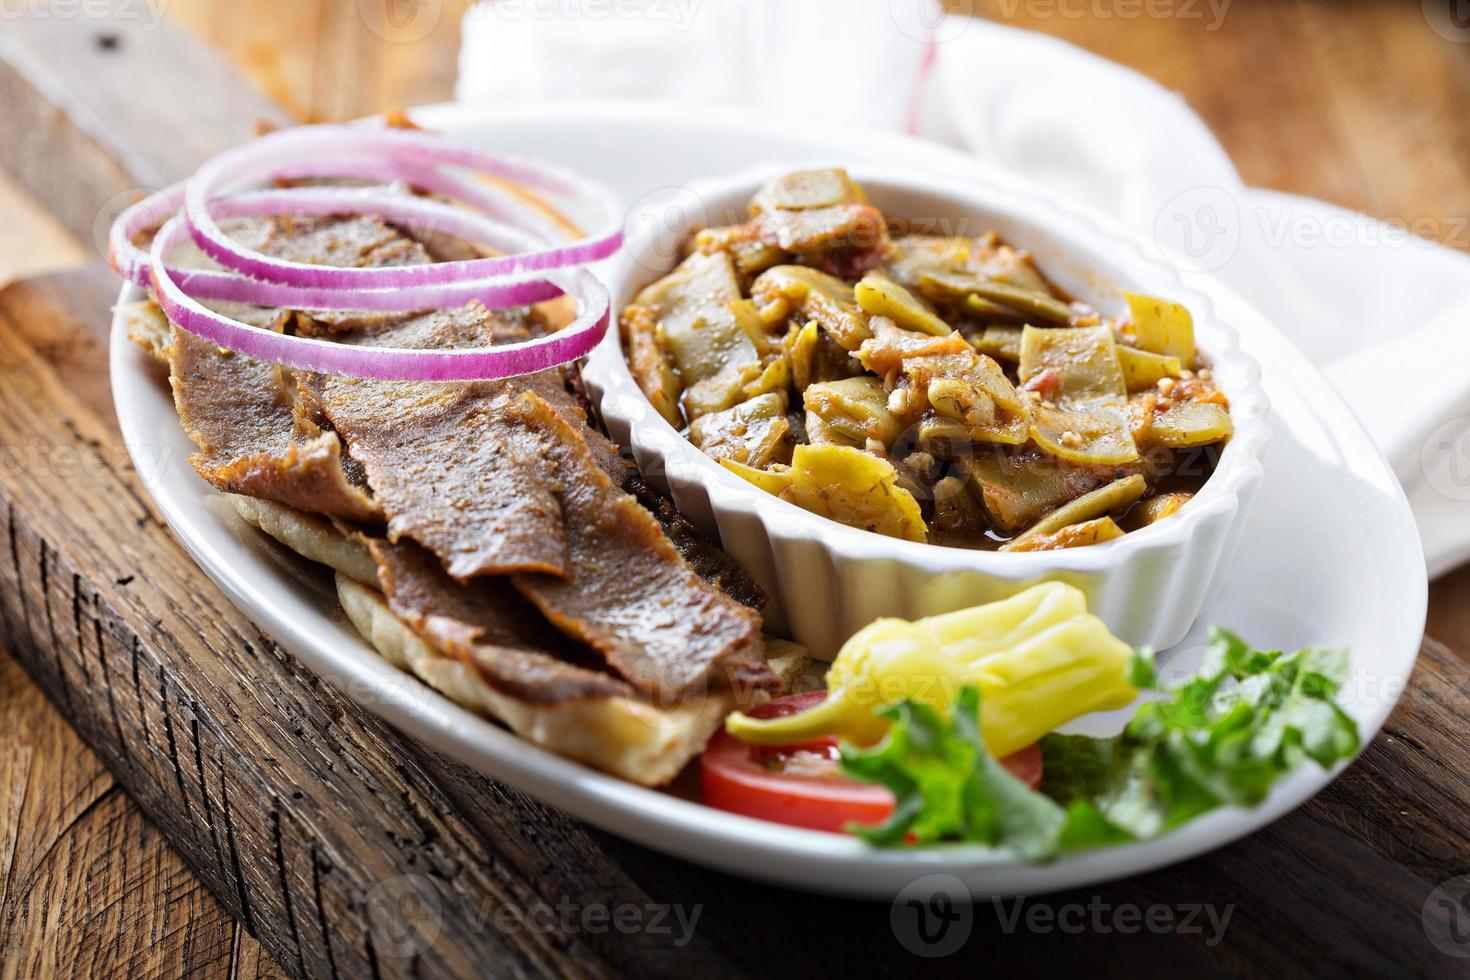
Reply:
x=472, y=326
x=708, y=562
x=487, y=624
x=239, y=412
x=452, y=472
x=625, y=736
x=628, y=593
x=495, y=485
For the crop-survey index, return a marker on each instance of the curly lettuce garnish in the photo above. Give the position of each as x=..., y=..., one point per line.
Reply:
x=1222, y=737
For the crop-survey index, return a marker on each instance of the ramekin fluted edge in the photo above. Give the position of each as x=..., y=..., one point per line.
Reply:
x=827, y=580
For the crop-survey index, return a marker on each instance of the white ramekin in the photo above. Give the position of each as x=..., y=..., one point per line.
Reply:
x=827, y=580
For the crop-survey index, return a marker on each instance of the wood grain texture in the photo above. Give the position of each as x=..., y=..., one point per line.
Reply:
x=324, y=831
x=1359, y=103
x=100, y=110
x=31, y=240
x=329, y=60
x=328, y=835
x=88, y=886
x=97, y=880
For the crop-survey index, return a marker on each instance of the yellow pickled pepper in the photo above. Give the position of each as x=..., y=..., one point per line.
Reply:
x=1038, y=658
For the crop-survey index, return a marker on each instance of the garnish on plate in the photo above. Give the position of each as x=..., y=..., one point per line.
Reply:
x=953, y=718
x=1040, y=658
x=1223, y=737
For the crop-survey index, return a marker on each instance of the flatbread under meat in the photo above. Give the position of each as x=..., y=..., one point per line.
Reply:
x=627, y=736
x=310, y=536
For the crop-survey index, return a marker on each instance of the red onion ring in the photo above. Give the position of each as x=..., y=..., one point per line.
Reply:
x=134, y=264
x=498, y=219
x=383, y=363
x=263, y=159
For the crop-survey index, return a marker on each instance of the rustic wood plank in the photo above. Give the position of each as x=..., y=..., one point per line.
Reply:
x=1449, y=612
x=88, y=887
x=31, y=241
x=291, y=803
x=304, y=815
x=100, y=109
x=1358, y=103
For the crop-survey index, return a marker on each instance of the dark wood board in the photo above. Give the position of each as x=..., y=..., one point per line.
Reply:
x=100, y=110
x=308, y=818
x=320, y=830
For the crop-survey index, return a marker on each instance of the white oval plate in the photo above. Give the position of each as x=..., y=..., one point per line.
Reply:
x=1330, y=554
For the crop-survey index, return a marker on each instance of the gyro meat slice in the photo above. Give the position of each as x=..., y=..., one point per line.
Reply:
x=488, y=625
x=708, y=561
x=453, y=471
x=239, y=412
x=627, y=592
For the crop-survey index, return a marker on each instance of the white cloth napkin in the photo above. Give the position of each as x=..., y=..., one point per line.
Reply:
x=1384, y=313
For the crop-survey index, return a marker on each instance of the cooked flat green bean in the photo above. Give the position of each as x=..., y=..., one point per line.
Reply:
x=1114, y=496
x=1038, y=305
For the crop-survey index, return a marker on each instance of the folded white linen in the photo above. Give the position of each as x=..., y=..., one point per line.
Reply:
x=1386, y=314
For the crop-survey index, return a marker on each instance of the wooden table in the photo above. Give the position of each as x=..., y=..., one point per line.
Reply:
x=206, y=734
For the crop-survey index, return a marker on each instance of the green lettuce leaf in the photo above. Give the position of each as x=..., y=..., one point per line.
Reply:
x=1222, y=737
x=948, y=787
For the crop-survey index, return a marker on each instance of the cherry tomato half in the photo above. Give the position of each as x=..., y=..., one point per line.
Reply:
x=802, y=785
